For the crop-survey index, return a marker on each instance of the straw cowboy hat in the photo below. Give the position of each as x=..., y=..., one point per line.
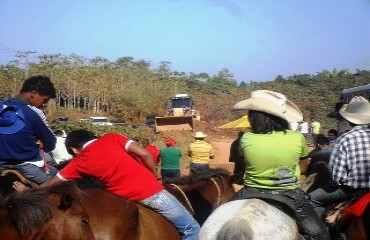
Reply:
x=199, y=135
x=357, y=111
x=273, y=103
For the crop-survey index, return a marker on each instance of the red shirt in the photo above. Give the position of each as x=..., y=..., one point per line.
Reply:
x=154, y=152
x=106, y=159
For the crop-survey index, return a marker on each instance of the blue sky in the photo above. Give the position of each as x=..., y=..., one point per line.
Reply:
x=255, y=40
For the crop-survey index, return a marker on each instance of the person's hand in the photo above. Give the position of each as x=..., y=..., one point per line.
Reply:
x=40, y=144
x=159, y=176
x=20, y=187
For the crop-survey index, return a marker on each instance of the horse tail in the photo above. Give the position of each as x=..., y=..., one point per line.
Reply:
x=236, y=228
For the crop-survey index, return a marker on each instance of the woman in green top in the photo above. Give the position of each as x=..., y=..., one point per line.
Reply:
x=272, y=153
x=170, y=160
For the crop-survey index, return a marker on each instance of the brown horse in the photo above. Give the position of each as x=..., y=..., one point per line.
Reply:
x=65, y=212
x=202, y=192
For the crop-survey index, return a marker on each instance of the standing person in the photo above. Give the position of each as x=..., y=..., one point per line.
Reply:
x=60, y=152
x=200, y=152
x=317, y=168
x=109, y=159
x=332, y=136
x=152, y=149
x=170, y=160
x=239, y=163
x=21, y=129
x=350, y=160
x=273, y=154
x=315, y=130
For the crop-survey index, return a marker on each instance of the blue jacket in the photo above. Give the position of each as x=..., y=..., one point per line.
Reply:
x=21, y=146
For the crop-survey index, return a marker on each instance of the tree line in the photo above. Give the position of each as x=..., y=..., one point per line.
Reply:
x=128, y=90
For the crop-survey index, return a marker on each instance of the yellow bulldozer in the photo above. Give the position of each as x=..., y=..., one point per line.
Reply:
x=179, y=116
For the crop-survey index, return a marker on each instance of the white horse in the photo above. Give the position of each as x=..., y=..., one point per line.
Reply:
x=248, y=219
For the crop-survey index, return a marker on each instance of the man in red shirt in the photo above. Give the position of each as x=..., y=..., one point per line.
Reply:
x=109, y=159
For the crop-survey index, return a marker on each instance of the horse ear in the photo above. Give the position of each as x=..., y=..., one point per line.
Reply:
x=55, y=200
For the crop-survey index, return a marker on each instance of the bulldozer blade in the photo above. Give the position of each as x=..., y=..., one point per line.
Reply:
x=183, y=123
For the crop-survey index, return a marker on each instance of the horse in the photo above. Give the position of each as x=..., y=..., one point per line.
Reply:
x=248, y=219
x=63, y=211
x=341, y=222
x=350, y=219
x=202, y=192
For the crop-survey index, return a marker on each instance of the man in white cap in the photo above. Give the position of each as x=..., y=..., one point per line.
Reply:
x=349, y=163
x=200, y=152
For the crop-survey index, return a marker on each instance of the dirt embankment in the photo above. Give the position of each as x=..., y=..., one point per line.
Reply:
x=221, y=148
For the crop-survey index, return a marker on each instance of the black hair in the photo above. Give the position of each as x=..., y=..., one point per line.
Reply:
x=321, y=139
x=41, y=84
x=333, y=131
x=58, y=132
x=77, y=139
x=262, y=122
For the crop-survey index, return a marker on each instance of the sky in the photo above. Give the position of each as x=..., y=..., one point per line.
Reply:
x=254, y=40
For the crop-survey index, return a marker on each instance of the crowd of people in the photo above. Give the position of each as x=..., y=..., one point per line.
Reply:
x=269, y=159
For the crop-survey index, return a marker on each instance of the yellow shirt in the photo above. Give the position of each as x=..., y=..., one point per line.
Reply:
x=315, y=127
x=200, y=152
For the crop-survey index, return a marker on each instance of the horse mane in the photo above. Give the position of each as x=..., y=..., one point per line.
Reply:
x=30, y=210
x=198, y=176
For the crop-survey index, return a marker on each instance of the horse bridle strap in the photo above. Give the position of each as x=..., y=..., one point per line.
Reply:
x=184, y=195
x=218, y=192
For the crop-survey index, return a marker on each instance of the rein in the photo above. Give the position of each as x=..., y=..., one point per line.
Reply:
x=186, y=198
x=218, y=192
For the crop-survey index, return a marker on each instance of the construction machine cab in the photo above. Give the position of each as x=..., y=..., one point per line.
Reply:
x=179, y=115
x=181, y=105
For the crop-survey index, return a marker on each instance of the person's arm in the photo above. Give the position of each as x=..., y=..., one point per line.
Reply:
x=20, y=187
x=211, y=153
x=143, y=154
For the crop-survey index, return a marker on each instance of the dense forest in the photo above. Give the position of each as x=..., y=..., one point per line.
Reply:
x=128, y=90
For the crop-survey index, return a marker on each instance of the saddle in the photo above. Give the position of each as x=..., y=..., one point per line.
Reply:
x=339, y=216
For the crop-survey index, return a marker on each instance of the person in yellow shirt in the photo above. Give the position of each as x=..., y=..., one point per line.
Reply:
x=200, y=152
x=315, y=130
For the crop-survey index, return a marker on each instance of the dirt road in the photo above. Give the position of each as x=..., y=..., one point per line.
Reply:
x=221, y=148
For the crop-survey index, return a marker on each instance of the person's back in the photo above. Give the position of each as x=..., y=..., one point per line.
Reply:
x=19, y=149
x=274, y=155
x=170, y=160
x=277, y=168
x=200, y=152
x=349, y=160
x=109, y=158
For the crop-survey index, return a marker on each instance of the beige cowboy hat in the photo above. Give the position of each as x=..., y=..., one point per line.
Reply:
x=273, y=103
x=357, y=111
x=199, y=135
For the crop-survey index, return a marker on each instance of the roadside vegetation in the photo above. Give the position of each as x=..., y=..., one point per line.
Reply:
x=128, y=90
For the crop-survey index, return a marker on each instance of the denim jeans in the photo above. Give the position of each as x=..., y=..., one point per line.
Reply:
x=31, y=172
x=331, y=193
x=169, y=207
x=167, y=174
x=198, y=167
